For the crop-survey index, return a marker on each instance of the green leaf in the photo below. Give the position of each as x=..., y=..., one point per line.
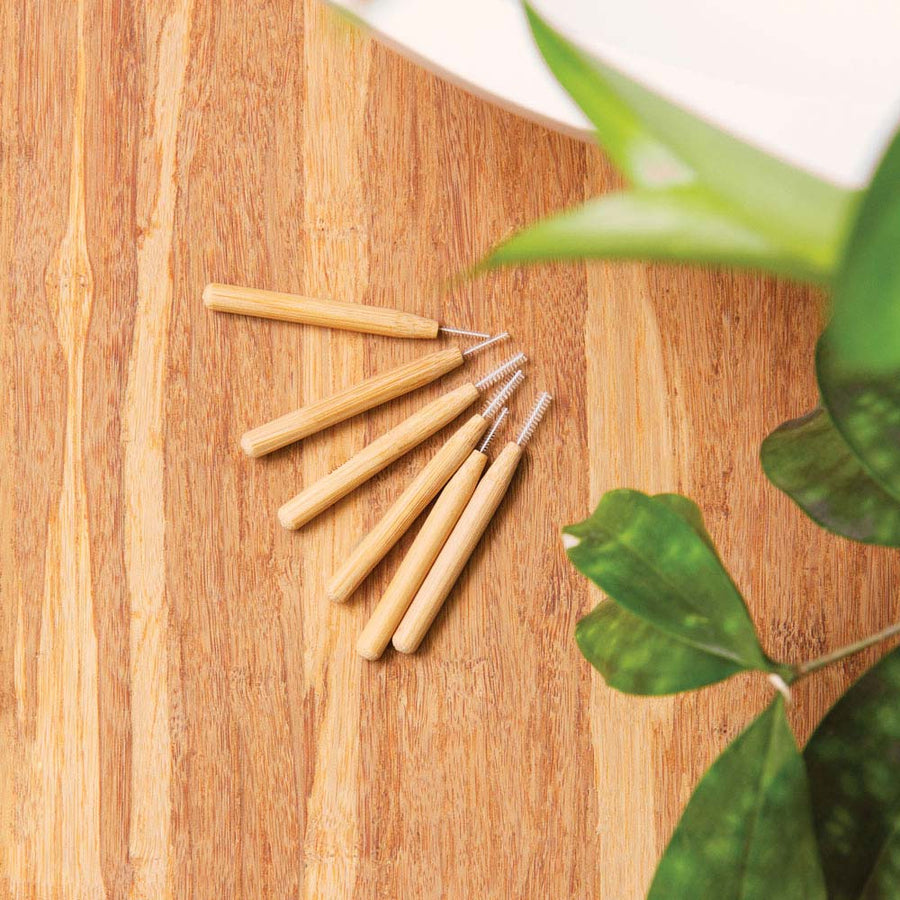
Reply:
x=654, y=141
x=631, y=145
x=747, y=831
x=651, y=560
x=809, y=460
x=793, y=208
x=858, y=358
x=864, y=333
x=636, y=657
x=866, y=412
x=681, y=223
x=689, y=512
x=853, y=759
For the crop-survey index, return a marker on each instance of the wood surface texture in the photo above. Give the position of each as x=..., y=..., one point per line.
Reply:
x=182, y=711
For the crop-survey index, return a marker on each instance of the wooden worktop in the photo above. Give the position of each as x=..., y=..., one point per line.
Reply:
x=182, y=712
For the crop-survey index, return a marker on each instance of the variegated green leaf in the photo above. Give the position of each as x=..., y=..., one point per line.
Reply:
x=636, y=657
x=747, y=832
x=809, y=460
x=647, y=554
x=858, y=359
x=853, y=760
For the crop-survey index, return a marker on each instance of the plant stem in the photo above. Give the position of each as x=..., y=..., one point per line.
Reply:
x=821, y=661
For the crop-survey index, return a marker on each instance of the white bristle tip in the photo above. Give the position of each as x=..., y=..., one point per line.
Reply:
x=494, y=429
x=504, y=393
x=537, y=413
x=498, y=374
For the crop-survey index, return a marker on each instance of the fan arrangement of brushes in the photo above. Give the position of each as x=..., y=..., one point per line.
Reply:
x=466, y=498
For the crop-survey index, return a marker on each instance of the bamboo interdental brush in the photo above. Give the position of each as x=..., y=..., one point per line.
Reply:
x=465, y=536
x=384, y=450
x=419, y=493
x=424, y=550
x=246, y=301
x=366, y=395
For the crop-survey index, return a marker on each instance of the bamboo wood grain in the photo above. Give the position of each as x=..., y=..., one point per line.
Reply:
x=181, y=716
x=322, y=414
x=247, y=301
x=456, y=551
x=376, y=456
x=415, y=566
x=405, y=509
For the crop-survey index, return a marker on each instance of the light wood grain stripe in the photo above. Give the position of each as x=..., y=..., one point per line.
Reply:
x=334, y=191
x=10, y=590
x=150, y=838
x=630, y=435
x=309, y=158
x=65, y=767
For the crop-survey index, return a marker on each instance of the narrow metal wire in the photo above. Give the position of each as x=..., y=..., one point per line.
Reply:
x=493, y=430
x=540, y=407
x=503, y=394
x=482, y=345
x=497, y=375
x=462, y=332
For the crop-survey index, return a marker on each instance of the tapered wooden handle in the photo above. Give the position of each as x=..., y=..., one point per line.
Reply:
x=325, y=313
x=425, y=548
x=456, y=552
x=376, y=456
x=405, y=510
x=368, y=394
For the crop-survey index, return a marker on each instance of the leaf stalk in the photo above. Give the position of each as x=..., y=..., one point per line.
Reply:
x=820, y=662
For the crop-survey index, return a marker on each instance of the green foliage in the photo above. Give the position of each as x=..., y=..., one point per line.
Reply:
x=858, y=360
x=675, y=621
x=755, y=823
x=843, y=465
x=747, y=831
x=701, y=195
x=654, y=558
x=867, y=414
x=864, y=335
x=628, y=651
x=644, y=159
x=809, y=460
x=667, y=225
x=853, y=760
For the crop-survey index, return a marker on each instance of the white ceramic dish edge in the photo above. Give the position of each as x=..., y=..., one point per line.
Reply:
x=838, y=138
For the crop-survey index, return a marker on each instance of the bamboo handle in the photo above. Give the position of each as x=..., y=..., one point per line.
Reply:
x=376, y=456
x=456, y=552
x=324, y=313
x=405, y=509
x=425, y=548
x=368, y=394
